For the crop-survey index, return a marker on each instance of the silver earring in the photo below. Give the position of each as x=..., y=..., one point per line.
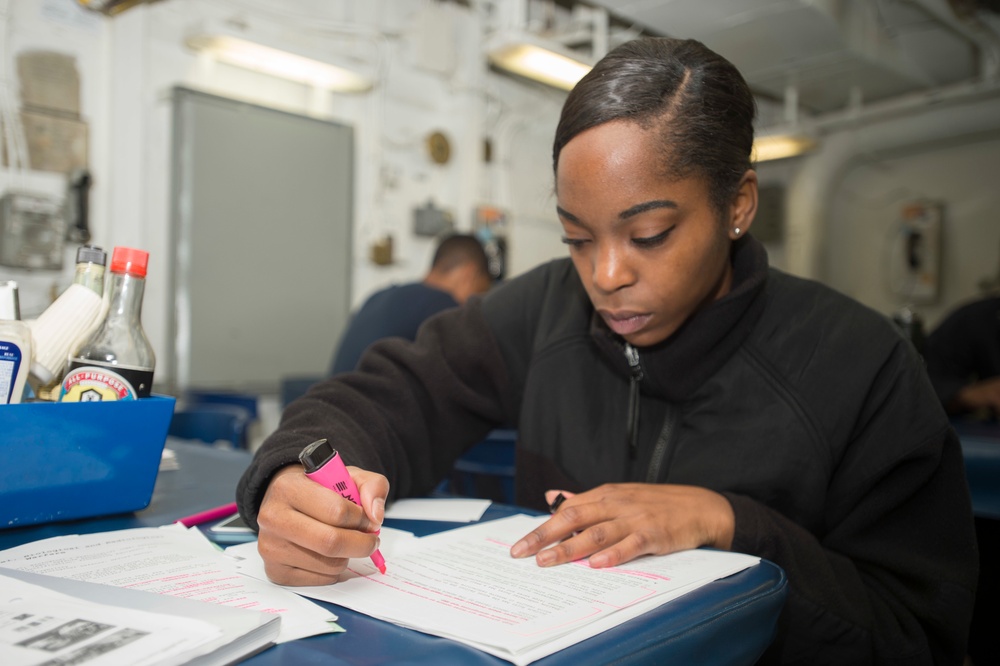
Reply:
x=736, y=231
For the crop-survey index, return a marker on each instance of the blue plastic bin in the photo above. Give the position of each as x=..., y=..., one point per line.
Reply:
x=60, y=461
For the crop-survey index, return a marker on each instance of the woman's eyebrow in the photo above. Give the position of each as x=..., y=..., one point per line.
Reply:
x=646, y=206
x=625, y=214
x=568, y=216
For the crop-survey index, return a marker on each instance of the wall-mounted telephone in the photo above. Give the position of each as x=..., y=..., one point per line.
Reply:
x=918, y=267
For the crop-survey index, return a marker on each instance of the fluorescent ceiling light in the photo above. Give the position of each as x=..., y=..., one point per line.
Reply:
x=276, y=62
x=540, y=63
x=780, y=146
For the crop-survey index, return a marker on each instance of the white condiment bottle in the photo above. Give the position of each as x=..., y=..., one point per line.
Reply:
x=15, y=346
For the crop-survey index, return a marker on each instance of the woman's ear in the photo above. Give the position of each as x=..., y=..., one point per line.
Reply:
x=744, y=206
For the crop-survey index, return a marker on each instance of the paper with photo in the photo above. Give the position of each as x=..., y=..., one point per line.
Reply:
x=171, y=560
x=41, y=626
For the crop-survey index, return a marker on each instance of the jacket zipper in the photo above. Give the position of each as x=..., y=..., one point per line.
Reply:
x=632, y=429
x=659, y=460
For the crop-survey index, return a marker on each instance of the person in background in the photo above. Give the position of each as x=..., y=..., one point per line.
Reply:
x=459, y=270
x=679, y=391
x=963, y=359
x=963, y=362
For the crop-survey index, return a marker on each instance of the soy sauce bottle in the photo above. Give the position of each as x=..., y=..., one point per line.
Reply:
x=117, y=362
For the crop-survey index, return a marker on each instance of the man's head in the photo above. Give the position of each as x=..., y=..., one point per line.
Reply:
x=460, y=267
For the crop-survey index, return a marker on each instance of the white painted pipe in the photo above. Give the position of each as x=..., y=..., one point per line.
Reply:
x=912, y=123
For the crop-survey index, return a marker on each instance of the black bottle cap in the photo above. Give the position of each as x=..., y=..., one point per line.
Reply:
x=91, y=254
x=316, y=455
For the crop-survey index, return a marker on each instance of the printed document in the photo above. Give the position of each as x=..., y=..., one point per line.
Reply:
x=464, y=585
x=171, y=560
x=40, y=626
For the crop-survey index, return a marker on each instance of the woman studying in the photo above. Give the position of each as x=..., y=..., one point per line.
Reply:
x=675, y=388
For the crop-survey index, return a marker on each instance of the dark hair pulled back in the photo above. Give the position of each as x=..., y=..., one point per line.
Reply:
x=696, y=100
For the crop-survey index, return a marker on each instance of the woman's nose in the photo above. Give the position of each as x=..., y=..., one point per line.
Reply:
x=612, y=270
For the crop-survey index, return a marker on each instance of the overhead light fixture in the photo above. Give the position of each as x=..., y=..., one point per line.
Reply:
x=780, y=146
x=279, y=62
x=111, y=7
x=527, y=56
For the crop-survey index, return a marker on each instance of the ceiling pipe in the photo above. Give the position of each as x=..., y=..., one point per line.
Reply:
x=914, y=123
x=982, y=38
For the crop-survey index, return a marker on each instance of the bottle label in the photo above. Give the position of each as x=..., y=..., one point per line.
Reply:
x=96, y=383
x=11, y=359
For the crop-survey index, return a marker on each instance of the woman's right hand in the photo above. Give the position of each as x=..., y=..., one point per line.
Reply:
x=308, y=532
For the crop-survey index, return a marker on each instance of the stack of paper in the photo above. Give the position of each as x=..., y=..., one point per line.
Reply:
x=46, y=620
x=171, y=561
x=462, y=584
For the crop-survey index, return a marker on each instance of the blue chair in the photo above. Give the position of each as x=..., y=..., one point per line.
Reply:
x=295, y=387
x=211, y=423
x=485, y=471
x=209, y=397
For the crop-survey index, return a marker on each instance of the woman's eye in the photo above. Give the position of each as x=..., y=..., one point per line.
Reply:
x=652, y=241
x=574, y=242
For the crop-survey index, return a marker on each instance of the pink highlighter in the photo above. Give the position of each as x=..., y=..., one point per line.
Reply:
x=325, y=466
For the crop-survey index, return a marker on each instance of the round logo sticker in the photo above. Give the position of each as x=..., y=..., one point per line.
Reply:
x=92, y=384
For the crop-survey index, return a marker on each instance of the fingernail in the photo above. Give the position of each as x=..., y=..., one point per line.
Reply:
x=518, y=550
x=598, y=561
x=378, y=508
x=546, y=558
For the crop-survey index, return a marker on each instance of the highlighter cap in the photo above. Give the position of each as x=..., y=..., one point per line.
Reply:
x=316, y=455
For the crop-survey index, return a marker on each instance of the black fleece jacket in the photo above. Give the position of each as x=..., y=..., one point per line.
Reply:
x=805, y=409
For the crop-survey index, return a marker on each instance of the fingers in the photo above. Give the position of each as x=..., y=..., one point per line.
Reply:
x=308, y=532
x=374, y=488
x=286, y=563
x=616, y=523
x=573, y=515
x=571, y=539
x=555, y=498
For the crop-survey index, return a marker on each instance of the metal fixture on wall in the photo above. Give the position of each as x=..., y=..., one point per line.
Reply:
x=112, y=7
x=557, y=50
x=527, y=56
x=312, y=70
x=778, y=146
x=790, y=139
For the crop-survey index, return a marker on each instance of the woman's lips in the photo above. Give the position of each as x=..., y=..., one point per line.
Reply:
x=624, y=322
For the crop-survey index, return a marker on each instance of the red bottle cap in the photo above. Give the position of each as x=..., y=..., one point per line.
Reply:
x=129, y=260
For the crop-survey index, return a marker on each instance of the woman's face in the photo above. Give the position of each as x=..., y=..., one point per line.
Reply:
x=650, y=251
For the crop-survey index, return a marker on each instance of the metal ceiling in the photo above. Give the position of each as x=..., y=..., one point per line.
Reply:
x=835, y=54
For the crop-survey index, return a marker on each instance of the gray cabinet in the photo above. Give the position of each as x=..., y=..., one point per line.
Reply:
x=261, y=225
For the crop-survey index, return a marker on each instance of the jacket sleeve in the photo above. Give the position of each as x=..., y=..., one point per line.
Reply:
x=891, y=576
x=408, y=412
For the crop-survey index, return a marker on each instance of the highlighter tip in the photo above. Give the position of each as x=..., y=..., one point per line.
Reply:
x=382, y=569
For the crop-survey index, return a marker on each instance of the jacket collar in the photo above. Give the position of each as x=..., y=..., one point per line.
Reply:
x=676, y=367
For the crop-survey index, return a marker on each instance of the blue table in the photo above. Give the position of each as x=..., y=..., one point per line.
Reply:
x=981, y=452
x=730, y=621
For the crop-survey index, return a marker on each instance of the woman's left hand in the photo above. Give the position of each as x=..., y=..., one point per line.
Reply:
x=618, y=522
